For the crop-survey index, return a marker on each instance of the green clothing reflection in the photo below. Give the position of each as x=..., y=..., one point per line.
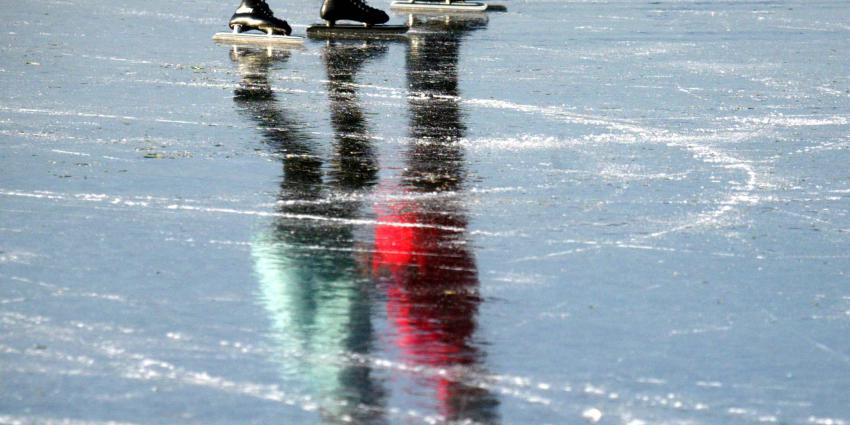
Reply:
x=311, y=283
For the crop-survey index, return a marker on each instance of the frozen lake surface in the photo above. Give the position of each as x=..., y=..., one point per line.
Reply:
x=622, y=212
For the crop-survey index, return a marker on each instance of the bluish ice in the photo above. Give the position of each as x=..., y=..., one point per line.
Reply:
x=614, y=212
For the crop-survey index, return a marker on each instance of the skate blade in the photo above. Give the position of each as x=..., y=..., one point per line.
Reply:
x=255, y=39
x=356, y=31
x=438, y=6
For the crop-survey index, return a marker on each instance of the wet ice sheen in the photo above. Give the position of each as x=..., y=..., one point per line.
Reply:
x=602, y=212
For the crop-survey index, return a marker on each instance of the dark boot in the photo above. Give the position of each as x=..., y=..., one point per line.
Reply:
x=351, y=10
x=256, y=15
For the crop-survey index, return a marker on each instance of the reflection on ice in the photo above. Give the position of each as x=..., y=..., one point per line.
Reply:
x=429, y=272
x=321, y=287
x=318, y=302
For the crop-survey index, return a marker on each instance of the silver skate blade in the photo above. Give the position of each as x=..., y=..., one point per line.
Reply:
x=438, y=6
x=254, y=39
x=357, y=31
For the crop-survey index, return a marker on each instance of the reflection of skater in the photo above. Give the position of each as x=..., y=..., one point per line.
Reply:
x=257, y=15
x=423, y=254
x=355, y=164
x=311, y=286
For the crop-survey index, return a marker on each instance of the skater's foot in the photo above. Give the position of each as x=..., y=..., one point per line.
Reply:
x=256, y=15
x=351, y=10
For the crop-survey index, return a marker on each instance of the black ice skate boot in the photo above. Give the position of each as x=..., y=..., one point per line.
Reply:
x=351, y=10
x=256, y=15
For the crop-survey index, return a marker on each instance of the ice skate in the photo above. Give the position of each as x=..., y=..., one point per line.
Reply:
x=370, y=20
x=256, y=15
x=445, y=6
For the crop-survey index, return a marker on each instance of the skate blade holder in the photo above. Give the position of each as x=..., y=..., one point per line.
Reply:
x=446, y=6
x=268, y=39
x=356, y=31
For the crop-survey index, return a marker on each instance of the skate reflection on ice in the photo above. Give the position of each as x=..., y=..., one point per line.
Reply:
x=355, y=163
x=423, y=255
x=312, y=286
x=257, y=102
x=436, y=123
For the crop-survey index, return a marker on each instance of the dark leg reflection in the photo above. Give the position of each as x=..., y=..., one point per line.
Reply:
x=422, y=245
x=312, y=285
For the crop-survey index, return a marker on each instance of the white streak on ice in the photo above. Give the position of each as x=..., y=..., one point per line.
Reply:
x=52, y=112
x=169, y=205
x=47, y=420
x=69, y=152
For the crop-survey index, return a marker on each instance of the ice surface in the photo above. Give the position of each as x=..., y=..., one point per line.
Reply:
x=576, y=211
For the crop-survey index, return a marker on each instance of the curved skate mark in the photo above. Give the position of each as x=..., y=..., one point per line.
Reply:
x=739, y=194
